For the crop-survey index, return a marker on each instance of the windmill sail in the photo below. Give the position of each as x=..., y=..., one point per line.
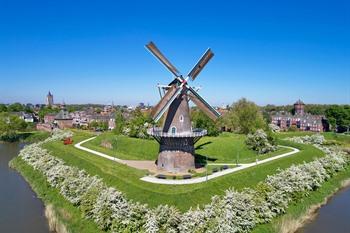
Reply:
x=165, y=102
x=156, y=52
x=200, y=64
x=203, y=105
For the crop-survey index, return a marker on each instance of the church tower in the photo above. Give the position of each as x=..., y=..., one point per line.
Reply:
x=49, y=99
x=299, y=107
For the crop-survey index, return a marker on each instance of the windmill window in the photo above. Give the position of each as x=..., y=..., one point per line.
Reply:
x=181, y=118
x=173, y=130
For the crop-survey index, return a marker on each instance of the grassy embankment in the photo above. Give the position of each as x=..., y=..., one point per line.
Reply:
x=27, y=137
x=226, y=148
x=302, y=211
x=64, y=212
x=127, y=179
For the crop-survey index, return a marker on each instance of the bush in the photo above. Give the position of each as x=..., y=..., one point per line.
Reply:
x=315, y=139
x=259, y=141
x=274, y=128
x=235, y=211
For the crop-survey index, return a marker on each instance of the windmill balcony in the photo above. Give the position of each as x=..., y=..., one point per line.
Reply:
x=158, y=132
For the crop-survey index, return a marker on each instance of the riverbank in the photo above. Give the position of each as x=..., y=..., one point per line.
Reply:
x=62, y=215
x=21, y=211
x=65, y=217
x=302, y=176
x=305, y=210
x=26, y=137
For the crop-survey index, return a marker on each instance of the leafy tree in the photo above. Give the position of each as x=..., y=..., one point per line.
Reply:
x=98, y=110
x=98, y=125
x=339, y=117
x=119, y=122
x=16, y=107
x=245, y=117
x=137, y=125
x=47, y=110
x=28, y=109
x=316, y=109
x=200, y=120
x=260, y=142
x=9, y=125
x=3, y=108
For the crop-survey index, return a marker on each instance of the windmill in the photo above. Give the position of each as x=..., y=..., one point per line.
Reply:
x=176, y=137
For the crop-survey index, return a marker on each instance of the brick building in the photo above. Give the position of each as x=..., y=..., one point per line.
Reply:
x=301, y=120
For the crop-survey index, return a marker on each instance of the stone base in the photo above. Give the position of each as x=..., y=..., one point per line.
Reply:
x=175, y=161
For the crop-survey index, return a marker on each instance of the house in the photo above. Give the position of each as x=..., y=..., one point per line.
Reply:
x=49, y=118
x=28, y=117
x=44, y=127
x=63, y=120
x=80, y=118
x=300, y=120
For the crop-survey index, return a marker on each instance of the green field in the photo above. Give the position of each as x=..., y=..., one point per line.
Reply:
x=226, y=148
x=127, y=179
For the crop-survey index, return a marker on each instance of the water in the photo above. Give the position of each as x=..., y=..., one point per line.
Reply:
x=333, y=217
x=20, y=209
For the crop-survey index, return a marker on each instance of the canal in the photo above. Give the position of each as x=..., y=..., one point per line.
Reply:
x=334, y=217
x=22, y=212
x=20, y=209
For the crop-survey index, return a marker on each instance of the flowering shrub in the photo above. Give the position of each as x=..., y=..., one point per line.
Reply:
x=137, y=131
x=235, y=211
x=274, y=128
x=315, y=139
x=259, y=142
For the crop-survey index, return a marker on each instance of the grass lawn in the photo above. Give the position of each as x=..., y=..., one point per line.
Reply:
x=127, y=179
x=343, y=139
x=125, y=147
x=226, y=148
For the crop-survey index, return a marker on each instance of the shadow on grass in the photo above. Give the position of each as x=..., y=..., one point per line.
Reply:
x=201, y=160
x=202, y=145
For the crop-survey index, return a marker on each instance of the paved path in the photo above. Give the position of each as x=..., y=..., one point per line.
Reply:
x=155, y=180
x=78, y=145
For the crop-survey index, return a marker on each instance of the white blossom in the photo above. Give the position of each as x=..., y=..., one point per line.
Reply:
x=235, y=211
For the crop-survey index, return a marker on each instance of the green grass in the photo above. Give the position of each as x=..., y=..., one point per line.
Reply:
x=226, y=148
x=127, y=179
x=68, y=214
x=125, y=147
x=33, y=136
x=230, y=148
x=342, y=138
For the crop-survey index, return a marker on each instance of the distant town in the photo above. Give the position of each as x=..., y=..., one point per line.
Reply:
x=51, y=115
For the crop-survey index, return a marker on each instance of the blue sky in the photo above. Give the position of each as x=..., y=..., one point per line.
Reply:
x=93, y=51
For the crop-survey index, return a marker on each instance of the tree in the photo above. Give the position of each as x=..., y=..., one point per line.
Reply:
x=119, y=122
x=46, y=110
x=9, y=125
x=98, y=110
x=3, y=108
x=16, y=107
x=260, y=142
x=339, y=117
x=101, y=125
x=245, y=117
x=137, y=125
x=202, y=121
x=28, y=109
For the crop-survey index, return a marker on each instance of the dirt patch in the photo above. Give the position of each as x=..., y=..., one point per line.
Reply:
x=55, y=224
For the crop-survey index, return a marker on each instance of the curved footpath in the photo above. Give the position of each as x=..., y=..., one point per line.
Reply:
x=155, y=180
